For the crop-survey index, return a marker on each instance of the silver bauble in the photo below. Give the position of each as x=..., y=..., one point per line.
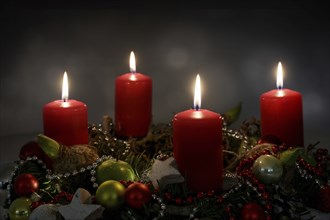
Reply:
x=268, y=169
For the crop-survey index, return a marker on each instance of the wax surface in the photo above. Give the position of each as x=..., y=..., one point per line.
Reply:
x=66, y=122
x=282, y=116
x=133, y=105
x=197, y=143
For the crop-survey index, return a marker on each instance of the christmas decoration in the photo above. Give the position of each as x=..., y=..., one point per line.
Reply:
x=321, y=199
x=252, y=211
x=81, y=207
x=32, y=148
x=114, y=170
x=25, y=184
x=110, y=194
x=303, y=183
x=165, y=173
x=137, y=195
x=271, y=139
x=66, y=159
x=20, y=209
x=45, y=211
x=268, y=169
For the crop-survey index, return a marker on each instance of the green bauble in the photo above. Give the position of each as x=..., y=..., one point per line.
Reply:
x=20, y=209
x=268, y=169
x=114, y=170
x=110, y=194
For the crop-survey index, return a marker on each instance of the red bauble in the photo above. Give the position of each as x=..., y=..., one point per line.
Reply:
x=270, y=139
x=252, y=211
x=32, y=148
x=322, y=199
x=137, y=194
x=25, y=184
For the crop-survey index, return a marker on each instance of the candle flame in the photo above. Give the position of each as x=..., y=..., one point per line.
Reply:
x=65, y=88
x=198, y=95
x=279, y=80
x=132, y=65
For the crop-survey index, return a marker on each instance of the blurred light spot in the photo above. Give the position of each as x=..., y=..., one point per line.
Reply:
x=177, y=57
x=313, y=104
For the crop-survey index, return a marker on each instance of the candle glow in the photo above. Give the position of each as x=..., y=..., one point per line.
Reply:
x=198, y=95
x=279, y=79
x=65, y=88
x=132, y=65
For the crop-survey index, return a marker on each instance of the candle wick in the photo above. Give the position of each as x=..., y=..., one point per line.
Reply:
x=65, y=99
x=197, y=107
x=280, y=87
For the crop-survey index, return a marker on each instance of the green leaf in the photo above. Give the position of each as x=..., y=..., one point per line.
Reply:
x=289, y=157
x=232, y=114
x=49, y=146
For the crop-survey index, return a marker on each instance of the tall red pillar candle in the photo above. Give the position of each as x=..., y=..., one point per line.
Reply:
x=133, y=103
x=66, y=120
x=282, y=114
x=197, y=146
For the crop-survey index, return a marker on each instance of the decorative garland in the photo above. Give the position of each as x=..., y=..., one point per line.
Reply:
x=309, y=175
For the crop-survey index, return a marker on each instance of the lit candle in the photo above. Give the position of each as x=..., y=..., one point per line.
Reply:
x=66, y=120
x=197, y=146
x=281, y=113
x=133, y=103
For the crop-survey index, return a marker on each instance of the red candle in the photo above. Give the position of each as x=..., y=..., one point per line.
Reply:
x=197, y=146
x=133, y=103
x=66, y=120
x=281, y=113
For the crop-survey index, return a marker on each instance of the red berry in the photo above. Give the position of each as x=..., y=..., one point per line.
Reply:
x=189, y=199
x=168, y=196
x=210, y=193
x=200, y=195
x=220, y=199
x=265, y=196
x=178, y=201
x=261, y=187
x=228, y=209
x=268, y=206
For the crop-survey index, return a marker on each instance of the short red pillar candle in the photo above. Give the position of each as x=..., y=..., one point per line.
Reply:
x=66, y=120
x=197, y=146
x=133, y=103
x=282, y=114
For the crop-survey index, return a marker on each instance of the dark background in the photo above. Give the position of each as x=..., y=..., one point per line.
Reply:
x=235, y=49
